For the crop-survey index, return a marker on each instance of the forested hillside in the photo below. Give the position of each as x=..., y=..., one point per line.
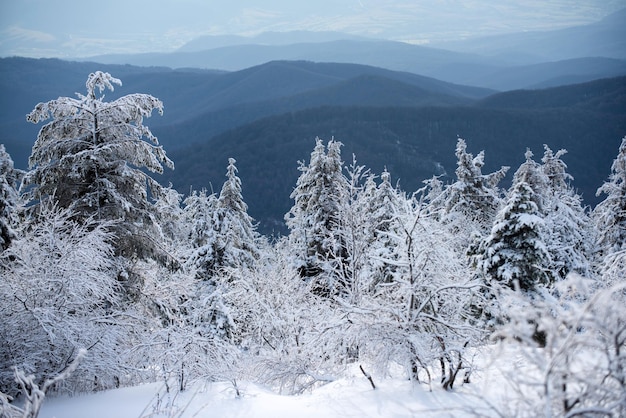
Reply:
x=412, y=143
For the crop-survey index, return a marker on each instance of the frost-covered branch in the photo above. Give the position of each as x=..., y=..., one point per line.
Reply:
x=34, y=394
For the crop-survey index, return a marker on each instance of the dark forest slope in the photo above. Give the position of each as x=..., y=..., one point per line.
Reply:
x=412, y=143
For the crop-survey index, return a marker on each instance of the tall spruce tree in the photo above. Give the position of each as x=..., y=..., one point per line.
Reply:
x=514, y=254
x=472, y=201
x=610, y=220
x=313, y=221
x=567, y=223
x=92, y=158
x=9, y=180
x=237, y=239
x=222, y=234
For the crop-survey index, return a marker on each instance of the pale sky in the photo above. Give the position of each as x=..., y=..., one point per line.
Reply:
x=80, y=28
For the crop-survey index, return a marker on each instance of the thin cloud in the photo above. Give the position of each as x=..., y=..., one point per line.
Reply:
x=251, y=18
x=17, y=33
x=164, y=25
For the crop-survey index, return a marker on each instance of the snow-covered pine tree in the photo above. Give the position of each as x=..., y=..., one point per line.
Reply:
x=198, y=216
x=567, y=232
x=471, y=202
x=385, y=207
x=223, y=239
x=532, y=174
x=9, y=182
x=610, y=221
x=91, y=157
x=514, y=254
x=319, y=197
x=237, y=239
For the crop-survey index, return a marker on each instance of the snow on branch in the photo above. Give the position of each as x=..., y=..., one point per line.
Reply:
x=34, y=394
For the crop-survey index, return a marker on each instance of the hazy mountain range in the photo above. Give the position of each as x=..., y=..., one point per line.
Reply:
x=606, y=38
x=522, y=60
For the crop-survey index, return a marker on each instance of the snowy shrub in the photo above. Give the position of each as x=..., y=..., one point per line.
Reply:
x=421, y=317
x=59, y=295
x=581, y=369
x=276, y=320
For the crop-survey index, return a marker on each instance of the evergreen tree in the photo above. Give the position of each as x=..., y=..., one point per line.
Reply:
x=201, y=235
x=555, y=169
x=610, y=214
x=514, y=254
x=314, y=220
x=224, y=241
x=567, y=223
x=9, y=180
x=531, y=173
x=91, y=157
x=237, y=239
x=221, y=232
x=610, y=220
x=472, y=201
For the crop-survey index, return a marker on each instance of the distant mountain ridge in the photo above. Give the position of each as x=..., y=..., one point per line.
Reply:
x=605, y=95
x=207, y=42
x=606, y=38
x=267, y=117
x=506, y=62
x=542, y=75
x=215, y=101
x=459, y=68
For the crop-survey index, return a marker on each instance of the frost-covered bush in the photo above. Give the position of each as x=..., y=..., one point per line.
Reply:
x=421, y=317
x=273, y=317
x=581, y=370
x=59, y=294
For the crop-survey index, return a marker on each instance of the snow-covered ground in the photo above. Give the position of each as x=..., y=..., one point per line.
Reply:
x=343, y=398
x=348, y=397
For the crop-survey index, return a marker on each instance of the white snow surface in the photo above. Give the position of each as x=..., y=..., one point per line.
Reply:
x=347, y=397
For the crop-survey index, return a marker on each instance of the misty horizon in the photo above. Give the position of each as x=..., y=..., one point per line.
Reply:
x=64, y=29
